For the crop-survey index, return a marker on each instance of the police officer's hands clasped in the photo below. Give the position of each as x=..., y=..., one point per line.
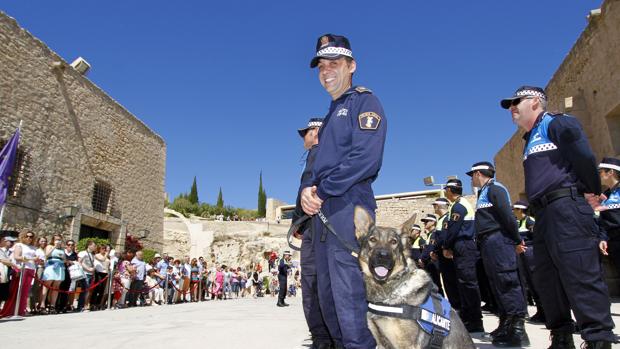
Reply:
x=310, y=202
x=603, y=247
x=520, y=248
x=595, y=201
x=448, y=254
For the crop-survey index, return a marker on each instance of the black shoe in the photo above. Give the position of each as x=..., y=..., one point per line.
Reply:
x=561, y=340
x=538, y=317
x=514, y=336
x=285, y=304
x=501, y=328
x=281, y=304
x=473, y=327
x=488, y=307
x=596, y=345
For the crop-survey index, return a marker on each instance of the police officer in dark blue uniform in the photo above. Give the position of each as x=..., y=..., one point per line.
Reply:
x=609, y=172
x=526, y=259
x=459, y=245
x=283, y=268
x=498, y=238
x=446, y=266
x=310, y=297
x=348, y=160
x=425, y=261
x=562, y=185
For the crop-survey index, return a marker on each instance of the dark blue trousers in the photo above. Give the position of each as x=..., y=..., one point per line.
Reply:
x=526, y=267
x=568, y=269
x=465, y=257
x=432, y=268
x=448, y=275
x=310, y=296
x=500, y=263
x=342, y=295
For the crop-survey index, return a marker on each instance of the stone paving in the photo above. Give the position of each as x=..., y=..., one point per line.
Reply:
x=242, y=323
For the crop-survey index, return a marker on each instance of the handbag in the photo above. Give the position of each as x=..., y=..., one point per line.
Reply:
x=76, y=272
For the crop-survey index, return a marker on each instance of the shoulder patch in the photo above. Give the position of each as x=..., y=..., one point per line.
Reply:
x=362, y=89
x=369, y=120
x=456, y=216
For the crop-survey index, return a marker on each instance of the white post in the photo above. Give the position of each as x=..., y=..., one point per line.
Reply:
x=2, y=215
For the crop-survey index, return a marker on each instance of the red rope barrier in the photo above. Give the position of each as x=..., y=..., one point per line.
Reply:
x=189, y=290
x=92, y=287
x=144, y=290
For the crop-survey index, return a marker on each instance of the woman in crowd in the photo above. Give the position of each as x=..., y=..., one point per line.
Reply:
x=156, y=293
x=6, y=266
x=24, y=254
x=37, y=297
x=54, y=272
x=218, y=284
x=124, y=270
x=234, y=281
x=243, y=282
x=102, y=268
x=195, y=279
x=65, y=300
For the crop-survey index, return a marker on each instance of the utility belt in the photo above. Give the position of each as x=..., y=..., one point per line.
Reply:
x=550, y=197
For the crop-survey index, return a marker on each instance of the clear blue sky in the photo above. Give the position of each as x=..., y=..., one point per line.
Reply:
x=227, y=83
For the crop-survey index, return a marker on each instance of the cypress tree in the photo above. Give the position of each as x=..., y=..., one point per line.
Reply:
x=220, y=199
x=262, y=198
x=193, y=194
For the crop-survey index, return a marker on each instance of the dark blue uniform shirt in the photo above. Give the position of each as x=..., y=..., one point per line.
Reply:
x=557, y=155
x=350, y=150
x=306, y=181
x=460, y=223
x=283, y=268
x=609, y=220
x=494, y=211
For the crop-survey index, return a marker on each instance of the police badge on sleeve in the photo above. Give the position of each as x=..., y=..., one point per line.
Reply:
x=369, y=120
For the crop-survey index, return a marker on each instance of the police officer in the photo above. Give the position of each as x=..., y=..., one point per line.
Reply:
x=283, y=267
x=526, y=259
x=460, y=246
x=310, y=297
x=609, y=172
x=499, y=241
x=446, y=266
x=348, y=160
x=559, y=169
x=431, y=266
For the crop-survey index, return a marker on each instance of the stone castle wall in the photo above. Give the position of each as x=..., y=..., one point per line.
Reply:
x=74, y=134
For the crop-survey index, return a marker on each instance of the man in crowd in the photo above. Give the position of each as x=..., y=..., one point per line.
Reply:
x=499, y=242
x=460, y=246
x=283, y=267
x=348, y=160
x=137, y=284
x=87, y=260
x=561, y=179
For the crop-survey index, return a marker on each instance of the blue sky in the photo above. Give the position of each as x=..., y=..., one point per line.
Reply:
x=226, y=84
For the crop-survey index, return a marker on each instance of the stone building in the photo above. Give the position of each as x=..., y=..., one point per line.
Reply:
x=86, y=166
x=586, y=85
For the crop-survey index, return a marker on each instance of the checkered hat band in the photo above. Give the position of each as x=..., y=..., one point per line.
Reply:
x=613, y=206
x=481, y=167
x=487, y=205
x=315, y=124
x=520, y=206
x=609, y=166
x=531, y=93
x=328, y=51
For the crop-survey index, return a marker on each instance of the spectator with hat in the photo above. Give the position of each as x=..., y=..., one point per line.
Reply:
x=431, y=266
x=283, y=268
x=526, y=259
x=6, y=266
x=24, y=254
x=609, y=172
x=459, y=245
x=499, y=241
x=563, y=187
x=348, y=161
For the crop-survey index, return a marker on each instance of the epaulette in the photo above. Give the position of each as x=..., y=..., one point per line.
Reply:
x=362, y=89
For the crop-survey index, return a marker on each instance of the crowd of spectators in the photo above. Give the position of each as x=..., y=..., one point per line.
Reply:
x=58, y=279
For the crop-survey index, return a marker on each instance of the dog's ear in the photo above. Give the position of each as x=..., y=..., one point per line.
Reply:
x=405, y=229
x=363, y=221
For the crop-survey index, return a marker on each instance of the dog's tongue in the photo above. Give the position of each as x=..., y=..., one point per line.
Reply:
x=381, y=271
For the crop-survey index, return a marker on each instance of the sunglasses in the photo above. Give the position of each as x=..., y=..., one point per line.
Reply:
x=519, y=100
x=30, y=236
x=69, y=244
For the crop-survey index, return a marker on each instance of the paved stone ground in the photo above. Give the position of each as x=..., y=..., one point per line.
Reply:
x=243, y=323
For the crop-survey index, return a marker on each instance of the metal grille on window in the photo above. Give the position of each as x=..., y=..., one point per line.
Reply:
x=102, y=197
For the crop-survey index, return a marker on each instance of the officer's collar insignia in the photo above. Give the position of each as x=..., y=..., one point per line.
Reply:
x=362, y=89
x=324, y=41
x=369, y=120
x=343, y=112
x=456, y=216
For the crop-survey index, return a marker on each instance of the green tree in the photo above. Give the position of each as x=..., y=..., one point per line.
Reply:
x=193, y=194
x=262, y=198
x=220, y=199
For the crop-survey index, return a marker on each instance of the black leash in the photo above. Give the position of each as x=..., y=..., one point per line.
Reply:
x=294, y=227
x=354, y=251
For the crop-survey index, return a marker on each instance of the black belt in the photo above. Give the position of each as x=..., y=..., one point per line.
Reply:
x=548, y=198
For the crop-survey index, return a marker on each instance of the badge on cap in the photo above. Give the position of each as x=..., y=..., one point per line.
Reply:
x=369, y=120
x=324, y=41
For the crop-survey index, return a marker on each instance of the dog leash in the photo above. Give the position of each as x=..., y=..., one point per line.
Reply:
x=354, y=251
x=294, y=227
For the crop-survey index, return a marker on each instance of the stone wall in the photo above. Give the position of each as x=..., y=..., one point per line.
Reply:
x=74, y=134
x=589, y=79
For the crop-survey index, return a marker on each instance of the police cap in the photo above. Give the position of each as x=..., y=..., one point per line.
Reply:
x=416, y=227
x=441, y=201
x=483, y=165
x=313, y=122
x=610, y=164
x=331, y=46
x=520, y=204
x=429, y=218
x=454, y=183
x=521, y=92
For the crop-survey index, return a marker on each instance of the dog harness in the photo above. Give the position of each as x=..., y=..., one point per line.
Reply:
x=433, y=316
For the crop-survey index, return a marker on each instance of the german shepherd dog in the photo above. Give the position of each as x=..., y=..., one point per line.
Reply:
x=392, y=278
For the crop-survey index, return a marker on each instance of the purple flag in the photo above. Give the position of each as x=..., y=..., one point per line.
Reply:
x=7, y=163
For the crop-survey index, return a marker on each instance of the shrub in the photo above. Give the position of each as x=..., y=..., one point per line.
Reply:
x=81, y=245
